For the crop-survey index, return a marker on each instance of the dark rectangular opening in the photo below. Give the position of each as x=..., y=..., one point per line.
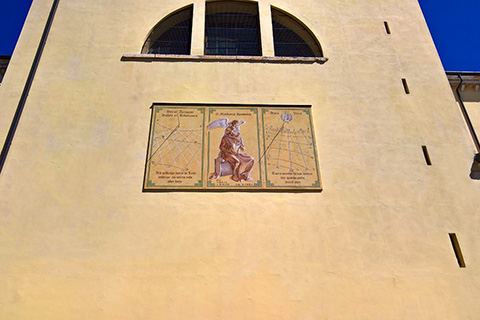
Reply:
x=426, y=155
x=232, y=28
x=457, y=250
x=387, y=27
x=405, y=86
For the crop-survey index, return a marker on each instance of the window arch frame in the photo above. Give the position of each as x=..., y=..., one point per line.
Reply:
x=145, y=49
x=305, y=28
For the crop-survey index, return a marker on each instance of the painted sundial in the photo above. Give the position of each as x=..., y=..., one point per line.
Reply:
x=231, y=147
x=176, y=148
x=290, y=155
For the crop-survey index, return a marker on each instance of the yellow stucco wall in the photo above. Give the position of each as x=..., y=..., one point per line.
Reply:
x=79, y=239
x=473, y=110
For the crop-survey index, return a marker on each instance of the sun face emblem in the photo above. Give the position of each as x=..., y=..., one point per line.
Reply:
x=286, y=117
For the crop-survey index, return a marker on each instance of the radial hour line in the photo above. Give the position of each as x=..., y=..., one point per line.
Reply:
x=192, y=145
x=275, y=137
x=306, y=139
x=289, y=152
x=173, y=131
x=185, y=148
x=170, y=152
x=179, y=137
x=268, y=132
x=280, y=145
x=193, y=156
x=300, y=148
x=157, y=144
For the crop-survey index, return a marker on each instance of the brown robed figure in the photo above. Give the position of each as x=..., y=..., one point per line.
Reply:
x=231, y=159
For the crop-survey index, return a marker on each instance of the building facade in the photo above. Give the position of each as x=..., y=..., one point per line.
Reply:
x=3, y=66
x=345, y=192
x=466, y=88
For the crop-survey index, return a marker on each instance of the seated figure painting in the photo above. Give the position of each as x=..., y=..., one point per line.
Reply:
x=232, y=159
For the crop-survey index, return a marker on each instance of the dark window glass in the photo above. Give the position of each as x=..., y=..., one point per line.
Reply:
x=291, y=38
x=232, y=28
x=172, y=35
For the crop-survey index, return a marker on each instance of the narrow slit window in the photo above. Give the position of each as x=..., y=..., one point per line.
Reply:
x=427, y=156
x=405, y=86
x=387, y=27
x=457, y=250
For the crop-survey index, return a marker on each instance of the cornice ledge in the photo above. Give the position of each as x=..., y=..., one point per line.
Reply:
x=212, y=58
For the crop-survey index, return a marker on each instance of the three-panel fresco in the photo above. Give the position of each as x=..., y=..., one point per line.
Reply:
x=231, y=147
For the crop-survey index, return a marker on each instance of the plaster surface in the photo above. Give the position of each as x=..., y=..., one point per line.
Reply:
x=80, y=240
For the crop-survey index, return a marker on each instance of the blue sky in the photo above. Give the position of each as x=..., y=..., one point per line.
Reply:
x=13, y=15
x=454, y=25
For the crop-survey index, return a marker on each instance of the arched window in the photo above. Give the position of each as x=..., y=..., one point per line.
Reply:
x=291, y=38
x=172, y=35
x=232, y=28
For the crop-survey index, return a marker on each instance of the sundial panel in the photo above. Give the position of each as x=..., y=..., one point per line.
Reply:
x=231, y=148
x=175, y=157
x=289, y=150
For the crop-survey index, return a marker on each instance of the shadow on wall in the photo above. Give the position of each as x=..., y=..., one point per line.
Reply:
x=475, y=171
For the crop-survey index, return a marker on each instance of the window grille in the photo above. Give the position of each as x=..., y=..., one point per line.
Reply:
x=232, y=28
x=291, y=38
x=172, y=35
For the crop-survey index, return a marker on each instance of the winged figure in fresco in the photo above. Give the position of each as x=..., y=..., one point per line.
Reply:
x=231, y=159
